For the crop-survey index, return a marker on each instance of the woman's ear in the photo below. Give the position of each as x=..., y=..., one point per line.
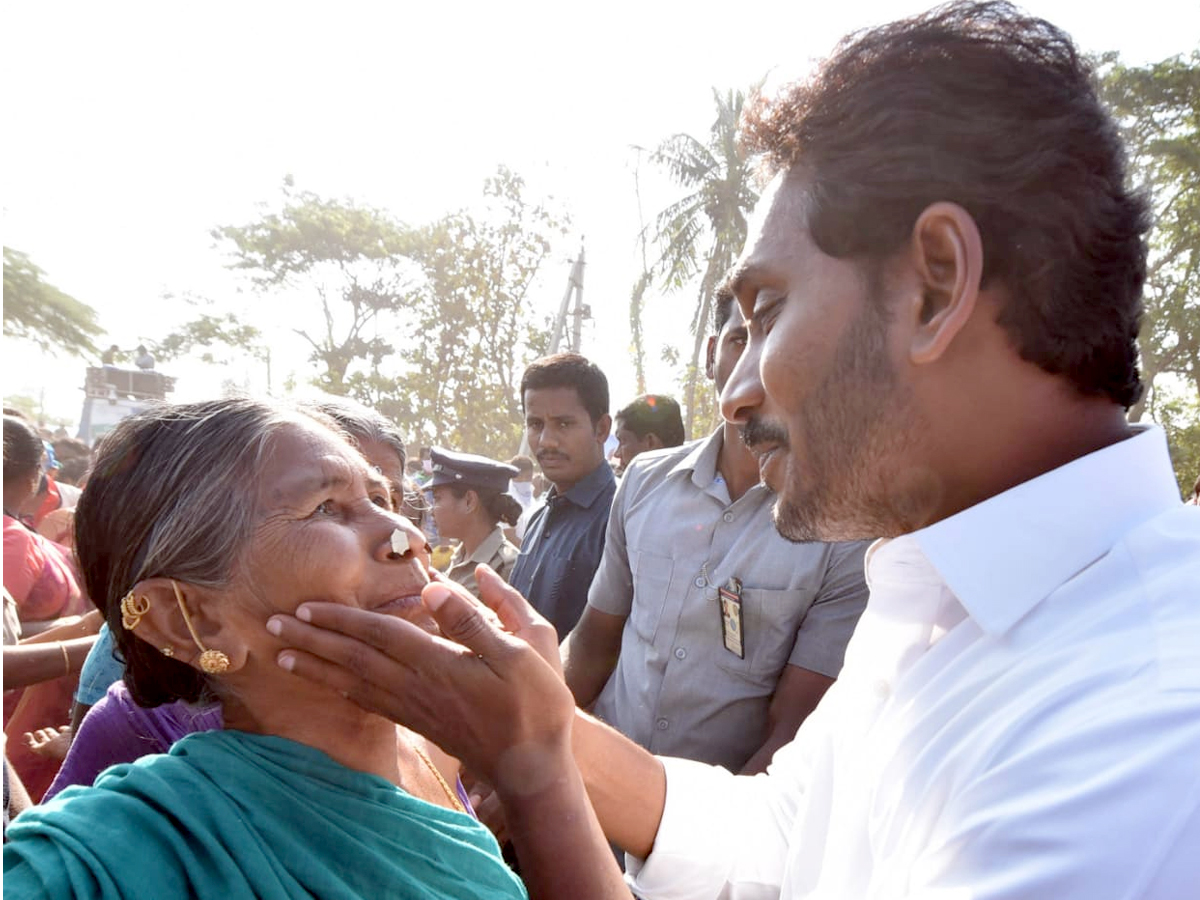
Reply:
x=170, y=611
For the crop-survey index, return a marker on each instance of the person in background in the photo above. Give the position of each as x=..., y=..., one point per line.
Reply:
x=565, y=400
x=522, y=483
x=40, y=576
x=470, y=501
x=649, y=422
x=707, y=635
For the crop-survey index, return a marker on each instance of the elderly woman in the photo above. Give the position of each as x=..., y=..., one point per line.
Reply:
x=199, y=522
x=470, y=500
x=117, y=729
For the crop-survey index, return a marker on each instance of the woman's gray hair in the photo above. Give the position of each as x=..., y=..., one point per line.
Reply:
x=173, y=494
x=360, y=423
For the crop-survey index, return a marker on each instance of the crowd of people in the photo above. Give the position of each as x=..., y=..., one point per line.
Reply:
x=919, y=618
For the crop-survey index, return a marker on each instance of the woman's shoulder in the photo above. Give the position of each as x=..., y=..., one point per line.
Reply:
x=505, y=556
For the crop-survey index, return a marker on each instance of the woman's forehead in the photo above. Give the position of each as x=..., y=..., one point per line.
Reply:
x=304, y=456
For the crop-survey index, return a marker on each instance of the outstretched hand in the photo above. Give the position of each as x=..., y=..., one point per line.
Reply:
x=490, y=692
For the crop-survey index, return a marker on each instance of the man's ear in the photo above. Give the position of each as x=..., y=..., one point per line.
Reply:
x=654, y=442
x=165, y=627
x=603, y=427
x=946, y=255
x=710, y=358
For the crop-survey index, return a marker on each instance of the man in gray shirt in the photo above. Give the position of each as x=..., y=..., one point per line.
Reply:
x=706, y=634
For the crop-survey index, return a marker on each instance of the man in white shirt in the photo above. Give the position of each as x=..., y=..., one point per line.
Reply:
x=942, y=286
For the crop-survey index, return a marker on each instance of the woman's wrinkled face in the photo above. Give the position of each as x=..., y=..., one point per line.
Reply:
x=325, y=532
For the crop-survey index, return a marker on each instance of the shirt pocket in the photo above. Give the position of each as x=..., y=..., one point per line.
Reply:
x=770, y=619
x=651, y=584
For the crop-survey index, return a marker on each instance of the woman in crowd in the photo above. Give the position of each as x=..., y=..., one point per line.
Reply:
x=116, y=729
x=40, y=577
x=470, y=500
x=199, y=522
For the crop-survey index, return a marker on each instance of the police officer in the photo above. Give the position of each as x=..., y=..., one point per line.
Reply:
x=470, y=501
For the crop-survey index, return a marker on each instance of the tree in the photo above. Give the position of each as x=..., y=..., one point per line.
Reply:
x=36, y=310
x=350, y=257
x=474, y=329
x=209, y=331
x=703, y=232
x=436, y=326
x=1158, y=107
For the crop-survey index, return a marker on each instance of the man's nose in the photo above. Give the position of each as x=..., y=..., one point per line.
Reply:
x=743, y=393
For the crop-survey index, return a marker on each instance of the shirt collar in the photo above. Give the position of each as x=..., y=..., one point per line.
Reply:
x=701, y=461
x=1004, y=555
x=585, y=491
x=488, y=546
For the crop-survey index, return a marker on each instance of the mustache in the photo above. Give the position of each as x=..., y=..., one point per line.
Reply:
x=550, y=454
x=758, y=431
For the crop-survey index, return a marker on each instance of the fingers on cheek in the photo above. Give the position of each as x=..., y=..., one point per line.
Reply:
x=318, y=670
x=346, y=682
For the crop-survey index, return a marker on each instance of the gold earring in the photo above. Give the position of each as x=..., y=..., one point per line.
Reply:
x=213, y=662
x=168, y=652
x=133, y=608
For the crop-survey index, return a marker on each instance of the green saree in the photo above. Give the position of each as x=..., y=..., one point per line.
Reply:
x=228, y=814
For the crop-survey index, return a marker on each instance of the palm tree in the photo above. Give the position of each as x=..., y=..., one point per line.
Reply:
x=705, y=230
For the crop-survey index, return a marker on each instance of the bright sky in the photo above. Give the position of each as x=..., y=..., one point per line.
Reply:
x=133, y=129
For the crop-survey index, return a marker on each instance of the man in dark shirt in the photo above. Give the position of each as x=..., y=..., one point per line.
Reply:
x=565, y=399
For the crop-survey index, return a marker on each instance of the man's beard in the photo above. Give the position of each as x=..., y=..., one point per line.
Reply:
x=853, y=427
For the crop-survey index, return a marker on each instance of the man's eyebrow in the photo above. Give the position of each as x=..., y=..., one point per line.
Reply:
x=728, y=287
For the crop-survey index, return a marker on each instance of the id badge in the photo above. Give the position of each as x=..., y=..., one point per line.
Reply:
x=731, y=617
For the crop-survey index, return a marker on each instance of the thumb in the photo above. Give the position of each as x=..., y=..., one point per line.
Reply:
x=505, y=601
x=461, y=619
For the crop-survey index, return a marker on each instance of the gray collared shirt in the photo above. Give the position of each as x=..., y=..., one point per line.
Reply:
x=563, y=546
x=674, y=537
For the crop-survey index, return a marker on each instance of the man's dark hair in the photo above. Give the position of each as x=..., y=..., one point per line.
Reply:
x=654, y=414
x=524, y=465
x=70, y=448
x=980, y=105
x=569, y=370
x=722, y=308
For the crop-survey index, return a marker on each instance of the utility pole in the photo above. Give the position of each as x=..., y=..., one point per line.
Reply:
x=578, y=314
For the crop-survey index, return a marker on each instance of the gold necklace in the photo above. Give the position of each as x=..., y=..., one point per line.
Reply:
x=451, y=795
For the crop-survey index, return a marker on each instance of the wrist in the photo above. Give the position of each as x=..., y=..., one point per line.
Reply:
x=524, y=771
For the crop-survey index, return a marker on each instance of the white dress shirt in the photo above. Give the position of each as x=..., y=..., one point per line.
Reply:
x=1018, y=716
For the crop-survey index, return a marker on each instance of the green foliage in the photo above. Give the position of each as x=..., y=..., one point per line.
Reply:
x=1158, y=107
x=347, y=256
x=37, y=311
x=35, y=411
x=435, y=322
x=1179, y=414
x=702, y=233
x=474, y=331
x=207, y=331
